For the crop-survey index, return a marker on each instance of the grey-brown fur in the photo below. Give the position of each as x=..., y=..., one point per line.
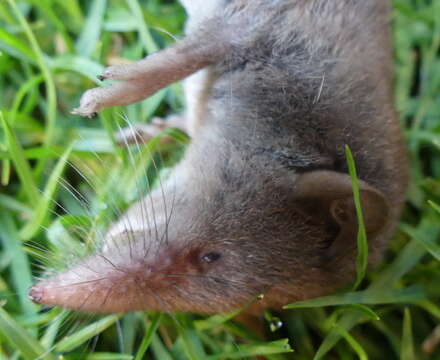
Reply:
x=264, y=181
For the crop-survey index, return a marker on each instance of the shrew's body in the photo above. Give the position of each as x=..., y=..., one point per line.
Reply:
x=261, y=202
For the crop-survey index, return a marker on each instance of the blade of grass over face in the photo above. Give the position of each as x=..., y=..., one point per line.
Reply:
x=362, y=244
x=21, y=165
x=29, y=348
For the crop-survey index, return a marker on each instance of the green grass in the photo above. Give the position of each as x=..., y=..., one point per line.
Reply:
x=60, y=184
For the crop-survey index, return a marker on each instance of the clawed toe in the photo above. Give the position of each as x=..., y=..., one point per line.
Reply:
x=81, y=112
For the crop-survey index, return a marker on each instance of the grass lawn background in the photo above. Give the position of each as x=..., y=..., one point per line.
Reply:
x=61, y=179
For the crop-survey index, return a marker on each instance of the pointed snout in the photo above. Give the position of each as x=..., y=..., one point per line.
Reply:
x=94, y=286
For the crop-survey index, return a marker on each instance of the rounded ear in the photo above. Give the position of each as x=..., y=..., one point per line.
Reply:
x=327, y=197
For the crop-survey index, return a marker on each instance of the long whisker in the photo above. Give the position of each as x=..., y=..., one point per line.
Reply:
x=144, y=211
x=133, y=163
x=149, y=192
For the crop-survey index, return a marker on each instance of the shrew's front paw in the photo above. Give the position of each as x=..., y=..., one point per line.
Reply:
x=89, y=104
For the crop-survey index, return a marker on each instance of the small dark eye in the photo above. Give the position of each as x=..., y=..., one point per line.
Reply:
x=211, y=257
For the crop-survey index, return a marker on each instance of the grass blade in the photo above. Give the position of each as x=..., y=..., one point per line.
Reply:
x=80, y=65
x=429, y=245
x=407, y=259
x=191, y=342
x=219, y=319
x=53, y=329
x=20, y=339
x=46, y=9
x=20, y=267
x=73, y=9
x=159, y=349
x=371, y=296
x=148, y=337
x=46, y=201
x=21, y=165
x=105, y=356
x=407, y=348
x=434, y=206
x=21, y=93
x=363, y=309
x=347, y=322
x=92, y=29
x=362, y=243
x=12, y=204
x=48, y=79
x=411, y=254
x=82, y=336
x=145, y=35
x=15, y=47
x=361, y=353
x=275, y=347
